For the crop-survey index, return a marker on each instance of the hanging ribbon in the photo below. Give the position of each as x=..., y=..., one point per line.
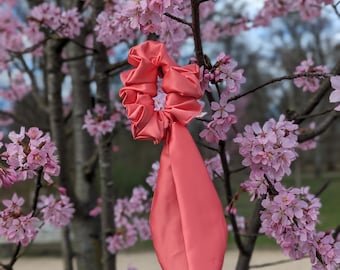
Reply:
x=187, y=221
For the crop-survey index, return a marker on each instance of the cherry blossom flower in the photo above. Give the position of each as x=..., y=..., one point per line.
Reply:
x=29, y=152
x=309, y=83
x=268, y=151
x=57, y=212
x=14, y=226
x=335, y=95
x=130, y=220
x=96, y=124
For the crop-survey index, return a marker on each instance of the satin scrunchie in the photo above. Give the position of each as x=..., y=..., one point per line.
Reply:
x=187, y=221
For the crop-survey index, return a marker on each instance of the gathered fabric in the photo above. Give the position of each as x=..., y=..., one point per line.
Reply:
x=187, y=221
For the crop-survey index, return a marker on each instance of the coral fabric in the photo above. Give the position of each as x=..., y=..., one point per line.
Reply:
x=187, y=221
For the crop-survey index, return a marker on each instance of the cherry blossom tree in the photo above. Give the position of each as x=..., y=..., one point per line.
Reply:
x=62, y=60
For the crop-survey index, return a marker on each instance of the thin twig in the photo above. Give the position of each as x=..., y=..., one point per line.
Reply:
x=18, y=248
x=238, y=169
x=116, y=66
x=229, y=196
x=177, y=19
x=323, y=188
x=279, y=79
x=314, y=115
x=321, y=92
x=35, y=87
x=320, y=129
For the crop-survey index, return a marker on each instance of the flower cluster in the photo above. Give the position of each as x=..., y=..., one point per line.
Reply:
x=291, y=217
x=130, y=215
x=335, y=95
x=217, y=128
x=66, y=23
x=16, y=227
x=268, y=151
x=28, y=153
x=151, y=180
x=97, y=125
x=308, y=83
x=120, y=21
x=57, y=212
x=18, y=88
x=308, y=9
x=328, y=248
x=224, y=71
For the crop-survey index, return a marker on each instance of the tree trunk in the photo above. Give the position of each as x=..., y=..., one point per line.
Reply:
x=86, y=229
x=243, y=261
x=104, y=150
x=54, y=80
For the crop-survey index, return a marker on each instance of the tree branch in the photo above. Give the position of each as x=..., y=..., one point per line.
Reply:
x=279, y=79
x=18, y=248
x=178, y=19
x=229, y=196
x=35, y=88
x=315, y=99
x=320, y=129
x=116, y=66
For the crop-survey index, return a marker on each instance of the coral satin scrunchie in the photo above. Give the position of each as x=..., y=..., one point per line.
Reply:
x=187, y=221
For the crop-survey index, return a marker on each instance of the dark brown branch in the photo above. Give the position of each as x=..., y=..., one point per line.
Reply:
x=320, y=129
x=229, y=196
x=30, y=49
x=38, y=187
x=335, y=7
x=196, y=31
x=207, y=146
x=315, y=99
x=116, y=66
x=18, y=248
x=279, y=79
x=323, y=188
x=314, y=115
x=177, y=19
x=238, y=169
x=35, y=87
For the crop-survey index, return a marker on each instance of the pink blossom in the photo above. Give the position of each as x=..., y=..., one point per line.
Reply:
x=56, y=212
x=66, y=23
x=7, y=177
x=309, y=83
x=96, y=124
x=216, y=130
x=222, y=108
x=151, y=180
x=269, y=151
x=29, y=152
x=335, y=95
x=14, y=226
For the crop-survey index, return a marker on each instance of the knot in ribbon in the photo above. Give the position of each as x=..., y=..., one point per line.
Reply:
x=187, y=221
x=179, y=83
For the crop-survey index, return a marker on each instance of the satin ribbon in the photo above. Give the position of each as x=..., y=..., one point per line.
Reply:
x=187, y=221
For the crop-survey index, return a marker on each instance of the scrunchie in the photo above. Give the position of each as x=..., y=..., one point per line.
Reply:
x=187, y=221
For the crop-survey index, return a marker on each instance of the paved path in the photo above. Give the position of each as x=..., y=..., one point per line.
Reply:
x=148, y=261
